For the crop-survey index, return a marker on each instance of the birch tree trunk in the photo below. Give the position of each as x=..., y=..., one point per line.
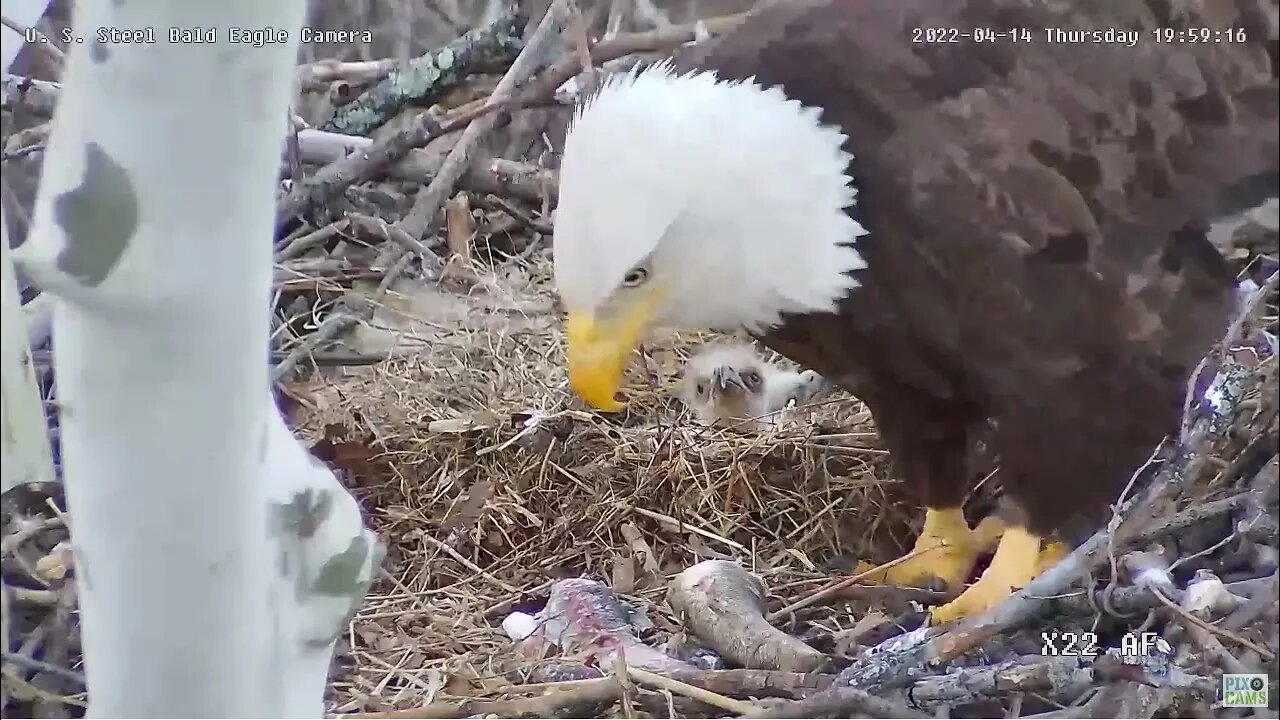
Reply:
x=25, y=455
x=216, y=561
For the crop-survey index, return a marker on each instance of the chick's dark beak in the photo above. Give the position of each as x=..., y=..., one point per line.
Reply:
x=725, y=377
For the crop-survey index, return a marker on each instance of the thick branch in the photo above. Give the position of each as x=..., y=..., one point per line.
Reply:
x=429, y=75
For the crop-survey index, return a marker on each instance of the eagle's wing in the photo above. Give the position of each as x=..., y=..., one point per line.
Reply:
x=1033, y=205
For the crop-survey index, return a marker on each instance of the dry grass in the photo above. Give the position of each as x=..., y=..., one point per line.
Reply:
x=487, y=479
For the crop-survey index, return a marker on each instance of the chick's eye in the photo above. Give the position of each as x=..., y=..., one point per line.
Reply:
x=701, y=388
x=635, y=276
x=751, y=377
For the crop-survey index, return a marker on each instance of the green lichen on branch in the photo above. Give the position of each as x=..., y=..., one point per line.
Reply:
x=430, y=75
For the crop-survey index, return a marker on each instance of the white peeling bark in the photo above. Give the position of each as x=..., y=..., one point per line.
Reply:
x=216, y=560
x=25, y=456
x=24, y=438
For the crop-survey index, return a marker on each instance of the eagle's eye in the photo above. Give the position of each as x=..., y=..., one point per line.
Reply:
x=635, y=276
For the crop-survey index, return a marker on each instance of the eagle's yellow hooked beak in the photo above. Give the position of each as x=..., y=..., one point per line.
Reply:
x=599, y=346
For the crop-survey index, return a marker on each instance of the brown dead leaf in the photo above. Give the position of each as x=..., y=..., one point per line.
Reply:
x=456, y=684
x=699, y=547
x=341, y=450
x=661, y=365
x=354, y=457
x=460, y=227
x=336, y=431
x=848, y=640
x=640, y=548
x=623, y=577
x=468, y=508
x=289, y=400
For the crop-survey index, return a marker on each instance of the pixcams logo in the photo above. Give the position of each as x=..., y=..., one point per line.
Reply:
x=1244, y=690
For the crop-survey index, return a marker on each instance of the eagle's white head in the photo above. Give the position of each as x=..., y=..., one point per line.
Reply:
x=689, y=202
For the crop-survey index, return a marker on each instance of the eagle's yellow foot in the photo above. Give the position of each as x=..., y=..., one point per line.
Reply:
x=988, y=533
x=1016, y=562
x=948, y=550
x=1050, y=554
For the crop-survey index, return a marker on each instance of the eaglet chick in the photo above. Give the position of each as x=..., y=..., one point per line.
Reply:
x=731, y=385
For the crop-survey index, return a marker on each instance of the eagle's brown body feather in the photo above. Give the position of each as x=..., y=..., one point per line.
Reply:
x=1037, y=254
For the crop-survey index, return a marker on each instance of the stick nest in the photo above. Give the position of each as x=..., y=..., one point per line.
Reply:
x=414, y=288
x=488, y=480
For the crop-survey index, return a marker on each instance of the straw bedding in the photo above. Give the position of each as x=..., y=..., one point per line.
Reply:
x=488, y=480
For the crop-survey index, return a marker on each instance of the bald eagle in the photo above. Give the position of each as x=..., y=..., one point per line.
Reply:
x=969, y=214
